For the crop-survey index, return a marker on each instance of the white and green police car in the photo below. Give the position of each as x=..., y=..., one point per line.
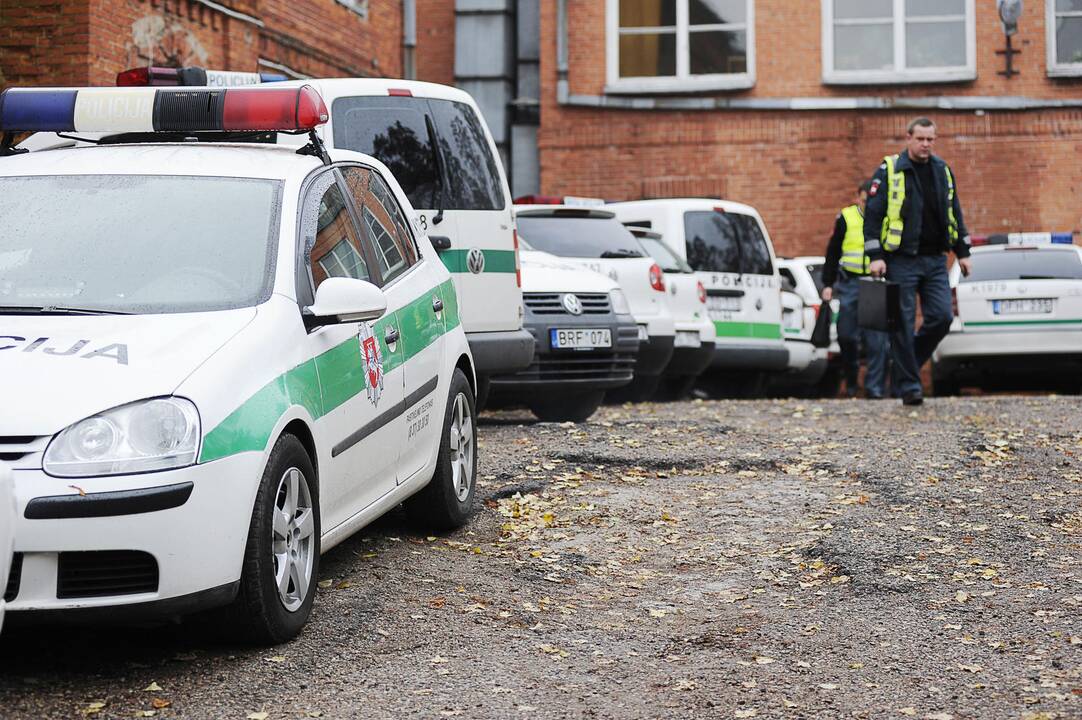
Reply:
x=217, y=360
x=727, y=244
x=1018, y=317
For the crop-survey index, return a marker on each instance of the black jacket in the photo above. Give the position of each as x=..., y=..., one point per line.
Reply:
x=912, y=209
x=834, y=252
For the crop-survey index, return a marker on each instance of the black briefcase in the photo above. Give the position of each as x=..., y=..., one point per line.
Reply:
x=879, y=305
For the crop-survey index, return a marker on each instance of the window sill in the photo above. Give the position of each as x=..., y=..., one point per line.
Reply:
x=1065, y=71
x=668, y=85
x=900, y=78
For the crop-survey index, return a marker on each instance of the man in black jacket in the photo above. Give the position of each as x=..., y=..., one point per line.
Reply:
x=913, y=219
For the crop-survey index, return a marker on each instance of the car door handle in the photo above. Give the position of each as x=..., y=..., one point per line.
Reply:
x=392, y=335
x=437, y=305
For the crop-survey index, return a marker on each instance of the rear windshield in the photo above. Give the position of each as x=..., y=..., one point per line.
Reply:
x=394, y=131
x=1026, y=265
x=585, y=237
x=666, y=259
x=726, y=242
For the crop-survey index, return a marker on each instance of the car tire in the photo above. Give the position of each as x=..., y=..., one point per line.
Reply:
x=574, y=409
x=446, y=502
x=945, y=387
x=281, y=558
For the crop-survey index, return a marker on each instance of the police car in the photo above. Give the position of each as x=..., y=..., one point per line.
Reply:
x=7, y=532
x=586, y=340
x=588, y=236
x=1018, y=316
x=217, y=360
x=810, y=368
x=693, y=347
x=727, y=244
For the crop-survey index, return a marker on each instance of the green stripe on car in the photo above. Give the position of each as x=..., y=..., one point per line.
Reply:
x=760, y=331
x=339, y=371
x=496, y=261
x=991, y=323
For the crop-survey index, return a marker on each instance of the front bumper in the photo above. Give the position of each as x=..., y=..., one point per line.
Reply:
x=1016, y=358
x=654, y=355
x=555, y=369
x=196, y=547
x=501, y=352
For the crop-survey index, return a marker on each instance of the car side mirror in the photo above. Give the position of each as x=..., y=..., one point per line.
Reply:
x=346, y=300
x=440, y=242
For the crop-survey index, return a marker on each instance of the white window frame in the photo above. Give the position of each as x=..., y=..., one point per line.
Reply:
x=900, y=74
x=336, y=256
x=1057, y=69
x=683, y=81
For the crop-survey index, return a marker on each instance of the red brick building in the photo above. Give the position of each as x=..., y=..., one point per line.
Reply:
x=86, y=42
x=789, y=104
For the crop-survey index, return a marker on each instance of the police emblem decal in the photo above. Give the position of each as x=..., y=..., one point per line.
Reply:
x=475, y=261
x=372, y=357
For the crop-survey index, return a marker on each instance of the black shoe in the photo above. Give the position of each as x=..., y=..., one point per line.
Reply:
x=873, y=396
x=913, y=399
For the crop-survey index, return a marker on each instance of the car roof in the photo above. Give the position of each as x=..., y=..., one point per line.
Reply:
x=596, y=213
x=692, y=204
x=246, y=160
x=981, y=249
x=331, y=88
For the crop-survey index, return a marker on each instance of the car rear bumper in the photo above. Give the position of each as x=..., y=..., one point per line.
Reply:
x=690, y=361
x=654, y=355
x=766, y=356
x=501, y=352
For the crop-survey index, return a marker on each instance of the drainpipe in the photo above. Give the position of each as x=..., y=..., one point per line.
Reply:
x=409, y=39
x=562, y=92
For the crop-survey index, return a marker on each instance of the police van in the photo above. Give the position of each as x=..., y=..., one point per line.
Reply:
x=436, y=143
x=1018, y=317
x=727, y=244
x=217, y=360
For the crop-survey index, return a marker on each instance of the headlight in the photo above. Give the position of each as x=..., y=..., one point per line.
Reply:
x=144, y=436
x=619, y=302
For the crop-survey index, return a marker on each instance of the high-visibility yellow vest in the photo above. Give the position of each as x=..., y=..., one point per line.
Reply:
x=853, y=258
x=891, y=234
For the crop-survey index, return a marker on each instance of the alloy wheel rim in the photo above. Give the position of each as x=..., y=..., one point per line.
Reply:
x=462, y=447
x=292, y=539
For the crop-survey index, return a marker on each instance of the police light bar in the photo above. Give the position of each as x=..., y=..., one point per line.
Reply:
x=1022, y=239
x=192, y=77
x=119, y=110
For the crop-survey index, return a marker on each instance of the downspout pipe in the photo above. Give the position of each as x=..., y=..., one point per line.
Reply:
x=409, y=39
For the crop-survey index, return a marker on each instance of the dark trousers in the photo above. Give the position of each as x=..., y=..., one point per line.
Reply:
x=850, y=334
x=926, y=276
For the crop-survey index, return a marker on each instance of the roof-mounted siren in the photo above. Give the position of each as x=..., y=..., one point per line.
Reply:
x=152, y=76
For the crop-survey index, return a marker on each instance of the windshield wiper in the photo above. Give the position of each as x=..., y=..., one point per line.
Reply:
x=609, y=254
x=54, y=310
x=437, y=155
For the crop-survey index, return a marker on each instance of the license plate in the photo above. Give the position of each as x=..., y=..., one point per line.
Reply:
x=1026, y=306
x=687, y=339
x=580, y=338
x=723, y=304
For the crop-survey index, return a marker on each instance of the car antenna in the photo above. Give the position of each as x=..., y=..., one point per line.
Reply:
x=315, y=148
x=437, y=154
x=7, y=145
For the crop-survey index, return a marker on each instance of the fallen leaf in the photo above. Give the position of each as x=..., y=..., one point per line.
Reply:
x=257, y=716
x=908, y=711
x=160, y=704
x=325, y=583
x=277, y=659
x=153, y=687
x=762, y=660
x=961, y=596
x=745, y=713
x=93, y=708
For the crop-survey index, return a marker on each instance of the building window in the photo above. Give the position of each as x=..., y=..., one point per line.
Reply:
x=1064, y=32
x=898, y=41
x=680, y=45
x=358, y=6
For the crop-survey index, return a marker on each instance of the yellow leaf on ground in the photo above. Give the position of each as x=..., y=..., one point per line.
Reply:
x=257, y=716
x=762, y=660
x=160, y=704
x=153, y=687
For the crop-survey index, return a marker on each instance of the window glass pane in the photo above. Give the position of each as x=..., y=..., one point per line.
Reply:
x=720, y=51
x=1026, y=265
x=1069, y=40
x=573, y=234
x=652, y=55
x=647, y=13
x=937, y=44
x=137, y=244
x=716, y=12
x=923, y=8
x=473, y=176
x=666, y=259
x=1068, y=5
x=851, y=9
x=863, y=47
x=395, y=250
x=726, y=242
x=391, y=262
x=392, y=130
x=327, y=256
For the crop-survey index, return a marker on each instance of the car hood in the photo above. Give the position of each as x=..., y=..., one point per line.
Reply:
x=57, y=370
x=542, y=272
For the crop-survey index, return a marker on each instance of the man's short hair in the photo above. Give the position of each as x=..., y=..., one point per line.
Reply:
x=918, y=122
x=865, y=187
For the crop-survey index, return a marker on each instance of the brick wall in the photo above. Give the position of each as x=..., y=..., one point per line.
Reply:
x=1015, y=169
x=86, y=42
x=436, y=41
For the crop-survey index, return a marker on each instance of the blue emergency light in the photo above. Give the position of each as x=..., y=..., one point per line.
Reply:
x=192, y=76
x=1027, y=238
x=131, y=109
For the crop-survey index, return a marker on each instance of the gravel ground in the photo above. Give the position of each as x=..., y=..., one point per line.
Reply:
x=769, y=559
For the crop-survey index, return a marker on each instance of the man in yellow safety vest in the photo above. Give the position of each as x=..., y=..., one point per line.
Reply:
x=912, y=220
x=845, y=265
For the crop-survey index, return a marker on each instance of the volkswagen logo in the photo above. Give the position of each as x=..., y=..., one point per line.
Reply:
x=475, y=261
x=572, y=304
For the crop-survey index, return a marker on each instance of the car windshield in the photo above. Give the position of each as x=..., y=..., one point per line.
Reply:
x=136, y=244
x=666, y=259
x=578, y=235
x=1025, y=265
x=726, y=242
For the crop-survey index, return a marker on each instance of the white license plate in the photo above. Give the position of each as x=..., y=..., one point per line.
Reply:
x=1025, y=306
x=723, y=304
x=580, y=338
x=686, y=339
